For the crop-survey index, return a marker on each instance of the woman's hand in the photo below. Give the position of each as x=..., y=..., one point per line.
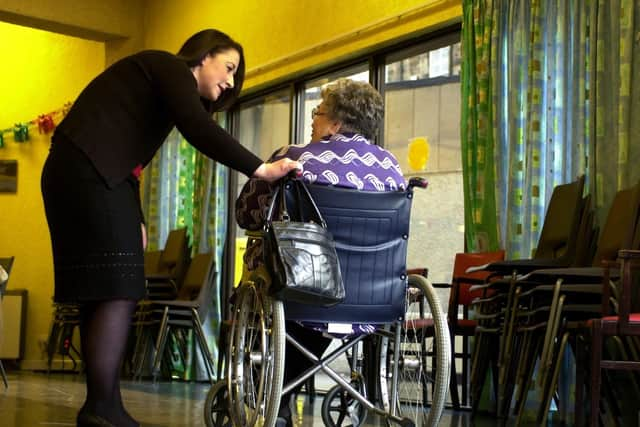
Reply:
x=144, y=237
x=273, y=171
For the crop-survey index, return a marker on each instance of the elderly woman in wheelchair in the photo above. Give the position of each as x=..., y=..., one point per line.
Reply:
x=362, y=194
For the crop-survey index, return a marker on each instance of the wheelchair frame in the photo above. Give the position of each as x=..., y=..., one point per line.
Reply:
x=252, y=389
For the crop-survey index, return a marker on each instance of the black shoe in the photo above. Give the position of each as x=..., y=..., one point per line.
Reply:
x=89, y=420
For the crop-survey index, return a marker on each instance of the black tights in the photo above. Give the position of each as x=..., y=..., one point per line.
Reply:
x=104, y=330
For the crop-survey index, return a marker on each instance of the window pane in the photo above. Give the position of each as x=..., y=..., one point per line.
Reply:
x=263, y=128
x=311, y=96
x=422, y=100
x=456, y=59
x=439, y=62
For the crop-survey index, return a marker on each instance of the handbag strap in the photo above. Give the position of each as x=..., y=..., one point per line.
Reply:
x=279, y=197
x=301, y=185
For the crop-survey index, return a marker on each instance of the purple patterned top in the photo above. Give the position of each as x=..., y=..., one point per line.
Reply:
x=345, y=160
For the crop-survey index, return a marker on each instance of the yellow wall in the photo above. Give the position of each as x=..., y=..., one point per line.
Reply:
x=40, y=72
x=284, y=36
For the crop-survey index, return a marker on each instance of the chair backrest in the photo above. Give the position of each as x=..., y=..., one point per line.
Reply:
x=6, y=264
x=587, y=237
x=198, y=281
x=561, y=221
x=619, y=228
x=371, y=230
x=462, y=281
x=174, y=259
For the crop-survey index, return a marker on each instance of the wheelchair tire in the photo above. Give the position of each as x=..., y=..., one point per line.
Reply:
x=340, y=409
x=256, y=358
x=216, y=406
x=415, y=371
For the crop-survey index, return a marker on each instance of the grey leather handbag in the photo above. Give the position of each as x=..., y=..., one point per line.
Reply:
x=300, y=252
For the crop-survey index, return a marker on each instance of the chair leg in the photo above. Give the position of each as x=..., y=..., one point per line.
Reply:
x=204, y=347
x=550, y=385
x=528, y=377
x=465, y=370
x=596, y=373
x=160, y=344
x=4, y=376
x=579, y=349
x=453, y=383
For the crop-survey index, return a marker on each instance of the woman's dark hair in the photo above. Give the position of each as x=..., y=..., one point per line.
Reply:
x=212, y=42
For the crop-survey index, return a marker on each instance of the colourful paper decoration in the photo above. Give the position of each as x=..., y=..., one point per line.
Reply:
x=20, y=132
x=45, y=123
x=418, y=154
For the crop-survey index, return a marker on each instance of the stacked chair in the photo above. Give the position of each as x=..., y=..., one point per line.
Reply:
x=171, y=320
x=66, y=318
x=557, y=247
x=546, y=310
x=164, y=272
x=185, y=313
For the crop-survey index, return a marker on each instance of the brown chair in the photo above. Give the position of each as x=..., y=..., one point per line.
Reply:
x=557, y=245
x=187, y=311
x=563, y=299
x=164, y=270
x=624, y=325
x=460, y=299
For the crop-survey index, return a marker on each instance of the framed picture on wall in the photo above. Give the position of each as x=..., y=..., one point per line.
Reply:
x=8, y=176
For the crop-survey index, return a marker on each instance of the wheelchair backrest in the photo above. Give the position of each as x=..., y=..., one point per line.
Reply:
x=371, y=231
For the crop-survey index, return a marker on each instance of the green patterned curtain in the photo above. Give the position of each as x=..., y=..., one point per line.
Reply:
x=479, y=35
x=617, y=95
x=526, y=116
x=167, y=188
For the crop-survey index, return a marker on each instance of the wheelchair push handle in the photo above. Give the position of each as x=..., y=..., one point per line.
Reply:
x=419, y=182
x=295, y=174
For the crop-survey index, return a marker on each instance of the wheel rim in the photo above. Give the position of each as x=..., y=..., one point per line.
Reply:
x=216, y=410
x=249, y=365
x=340, y=409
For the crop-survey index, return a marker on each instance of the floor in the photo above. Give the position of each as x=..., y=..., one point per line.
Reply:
x=38, y=399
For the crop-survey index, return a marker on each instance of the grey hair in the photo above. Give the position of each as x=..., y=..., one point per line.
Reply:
x=357, y=105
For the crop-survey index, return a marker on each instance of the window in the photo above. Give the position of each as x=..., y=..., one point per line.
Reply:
x=422, y=99
x=263, y=126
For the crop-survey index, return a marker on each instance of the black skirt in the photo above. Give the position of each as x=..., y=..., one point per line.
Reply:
x=95, y=230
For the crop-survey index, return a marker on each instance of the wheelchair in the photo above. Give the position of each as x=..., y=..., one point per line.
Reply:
x=371, y=231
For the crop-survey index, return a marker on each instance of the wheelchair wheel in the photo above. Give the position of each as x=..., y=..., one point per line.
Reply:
x=256, y=358
x=216, y=406
x=340, y=409
x=424, y=359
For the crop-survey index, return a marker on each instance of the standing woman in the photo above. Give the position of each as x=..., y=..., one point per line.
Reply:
x=91, y=191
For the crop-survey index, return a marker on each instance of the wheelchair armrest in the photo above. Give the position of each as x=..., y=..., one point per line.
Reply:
x=424, y=272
